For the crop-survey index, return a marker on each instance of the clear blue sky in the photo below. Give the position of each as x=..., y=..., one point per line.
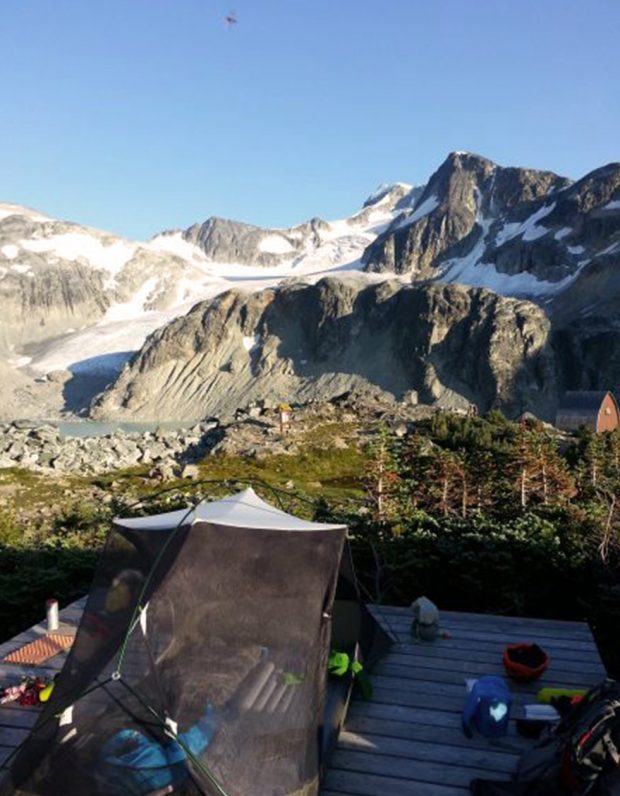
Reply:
x=141, y=115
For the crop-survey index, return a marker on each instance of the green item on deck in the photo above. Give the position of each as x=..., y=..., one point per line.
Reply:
x=290, y=678
x=545, y=695
x=340, y=664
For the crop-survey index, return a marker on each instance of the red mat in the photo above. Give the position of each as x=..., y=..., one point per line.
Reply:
x=36, y=652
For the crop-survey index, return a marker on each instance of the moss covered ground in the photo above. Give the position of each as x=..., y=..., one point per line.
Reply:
x=52, y=527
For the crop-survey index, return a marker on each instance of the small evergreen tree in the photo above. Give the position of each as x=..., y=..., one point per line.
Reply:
x=381, y=476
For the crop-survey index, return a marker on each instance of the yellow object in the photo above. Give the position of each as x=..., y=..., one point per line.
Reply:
x=545, y=695
x=46, y=692
x=118, y=597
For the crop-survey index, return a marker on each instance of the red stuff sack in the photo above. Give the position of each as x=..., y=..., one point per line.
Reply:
x=525, y=662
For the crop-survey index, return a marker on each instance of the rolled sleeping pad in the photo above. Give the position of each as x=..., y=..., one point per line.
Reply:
x=545, y=695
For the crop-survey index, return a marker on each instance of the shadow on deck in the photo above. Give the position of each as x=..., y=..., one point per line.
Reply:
x=407, y=741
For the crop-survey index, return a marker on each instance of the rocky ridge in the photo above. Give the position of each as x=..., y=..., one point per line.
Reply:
x=82, y=300
x=455, y=346
x=463, y=189
x=57, y=276
x=518, y=231
x=78, y=299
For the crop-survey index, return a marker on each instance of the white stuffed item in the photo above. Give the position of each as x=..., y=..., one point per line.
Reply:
x=425, y=623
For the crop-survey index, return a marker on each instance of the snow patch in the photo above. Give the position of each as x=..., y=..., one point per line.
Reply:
x=384, y=191
x=250, y=343
x=275, y=244
x=427, y=206
x=20, y=362
x=10, y=251
x=609, y=249
x=576, y=249
x=472, y=271
x=562, y=233
x=20, y=268
x=533, y=233
x=486, y=275
x=176, y=244
x=104, y=364
x=378, y=193
x=128, y=310
x=126, y=325
x=7, y=210
x=528, y=229
x=110, y=257
x=613, y=205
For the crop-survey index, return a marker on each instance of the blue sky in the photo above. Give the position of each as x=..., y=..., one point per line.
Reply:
x=141, y=115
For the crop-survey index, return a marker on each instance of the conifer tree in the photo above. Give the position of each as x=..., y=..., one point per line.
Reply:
x=523, y=462
x=415, y=472
x=551, y=482
x=592, y=455
x=446, y=482
x=381, y=476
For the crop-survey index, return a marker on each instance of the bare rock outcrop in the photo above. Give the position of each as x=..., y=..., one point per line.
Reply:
x=520, y=232
x=300, y=342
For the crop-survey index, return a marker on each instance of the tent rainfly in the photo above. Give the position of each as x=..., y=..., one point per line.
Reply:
x=200, y=663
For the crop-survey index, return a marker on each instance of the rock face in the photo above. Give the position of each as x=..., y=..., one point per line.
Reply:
x=42, y=298
x=588, y=353
x=450, y=344
x=518, y=231
x=464, y=188
x=523, y=233
x=228, y=241
x=56, y=277
x=79, y=300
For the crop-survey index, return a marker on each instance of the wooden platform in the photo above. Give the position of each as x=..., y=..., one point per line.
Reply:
x=407, y=741
x=16, y=721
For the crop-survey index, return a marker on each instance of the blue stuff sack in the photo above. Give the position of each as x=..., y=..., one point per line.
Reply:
x=487, y=707
x=131, y=763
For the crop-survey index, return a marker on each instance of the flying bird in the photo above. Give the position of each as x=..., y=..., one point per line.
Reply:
x=231, y=19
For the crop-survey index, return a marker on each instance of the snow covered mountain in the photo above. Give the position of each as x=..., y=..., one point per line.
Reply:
x=74, y=297
x=518, y=232
x=78, y=299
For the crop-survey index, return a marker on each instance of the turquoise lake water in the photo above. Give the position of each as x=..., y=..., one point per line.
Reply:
x=94, y=428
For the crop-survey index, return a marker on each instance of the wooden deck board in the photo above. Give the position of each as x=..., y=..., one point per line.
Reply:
x=408, y=740
x=15, y=720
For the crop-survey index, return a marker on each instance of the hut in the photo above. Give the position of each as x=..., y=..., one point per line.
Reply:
x=597, y=410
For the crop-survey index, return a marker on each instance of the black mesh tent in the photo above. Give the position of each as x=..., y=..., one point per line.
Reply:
x=200, y=662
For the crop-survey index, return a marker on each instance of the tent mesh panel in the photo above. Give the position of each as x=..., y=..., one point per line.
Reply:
x=199, y=668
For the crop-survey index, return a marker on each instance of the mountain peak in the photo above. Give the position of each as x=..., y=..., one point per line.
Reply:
x=462, y=157
x=395, y=190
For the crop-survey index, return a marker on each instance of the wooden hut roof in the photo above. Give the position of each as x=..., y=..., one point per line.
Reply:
x=581, y=408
